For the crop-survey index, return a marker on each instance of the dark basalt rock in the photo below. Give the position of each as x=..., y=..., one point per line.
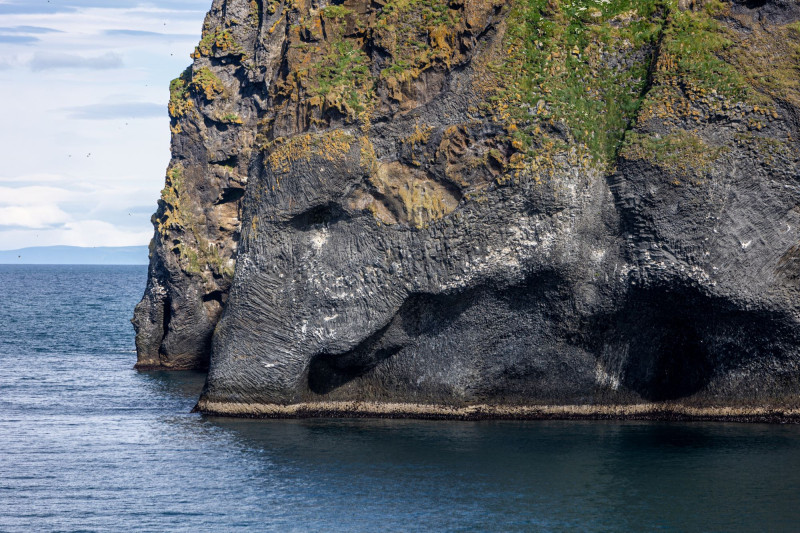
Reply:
x=396, y=240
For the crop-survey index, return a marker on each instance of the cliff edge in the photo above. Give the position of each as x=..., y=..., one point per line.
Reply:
x=486, y=205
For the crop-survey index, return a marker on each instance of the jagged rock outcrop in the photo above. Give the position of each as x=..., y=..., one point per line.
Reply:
x=504, y=203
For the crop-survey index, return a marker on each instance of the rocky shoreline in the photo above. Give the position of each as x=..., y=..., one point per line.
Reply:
x=663, y=412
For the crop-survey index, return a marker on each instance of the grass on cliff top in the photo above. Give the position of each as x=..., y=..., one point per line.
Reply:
x=583, y=62
x=586, y=63
x=692, y=46
x=769, y=59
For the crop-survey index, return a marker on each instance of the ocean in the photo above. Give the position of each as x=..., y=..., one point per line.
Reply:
x=89, y=444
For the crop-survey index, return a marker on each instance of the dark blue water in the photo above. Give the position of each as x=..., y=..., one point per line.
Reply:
x=87, y=443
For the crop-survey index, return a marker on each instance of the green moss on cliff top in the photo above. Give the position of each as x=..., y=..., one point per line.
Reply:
x=179, y=103
x=597, y=66
x=219, y=42
x=691, y=47
x=582, y=63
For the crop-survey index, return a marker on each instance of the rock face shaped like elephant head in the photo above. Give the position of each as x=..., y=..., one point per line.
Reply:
x=459, y=203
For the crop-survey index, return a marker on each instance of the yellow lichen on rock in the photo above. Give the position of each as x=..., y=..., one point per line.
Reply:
x=171, y=196
x=331, y=146
x=680, y=152
x=206, y=83
x=410, y=196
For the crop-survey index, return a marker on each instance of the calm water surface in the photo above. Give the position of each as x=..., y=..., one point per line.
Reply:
x=87, y=443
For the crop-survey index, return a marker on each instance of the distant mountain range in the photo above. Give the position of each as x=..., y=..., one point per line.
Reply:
x=76, y=255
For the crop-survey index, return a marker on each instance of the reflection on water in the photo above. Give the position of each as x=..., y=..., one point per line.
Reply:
x=88, y=443
x=489, y=475
x=186, y=385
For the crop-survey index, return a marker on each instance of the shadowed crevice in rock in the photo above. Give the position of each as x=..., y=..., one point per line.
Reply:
x=672, y=342
x=420, y=314
x=317, y=217
x=230, y=194
x=328, y=372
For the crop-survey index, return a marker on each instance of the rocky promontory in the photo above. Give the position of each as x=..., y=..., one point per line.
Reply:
x=437, y=208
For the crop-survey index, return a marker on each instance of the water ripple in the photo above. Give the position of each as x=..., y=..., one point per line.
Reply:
x=88, y=444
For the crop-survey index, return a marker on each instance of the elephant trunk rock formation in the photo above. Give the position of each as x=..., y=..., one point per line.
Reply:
x=484, y=208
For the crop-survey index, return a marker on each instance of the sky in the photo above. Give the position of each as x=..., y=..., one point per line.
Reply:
x=84, y=130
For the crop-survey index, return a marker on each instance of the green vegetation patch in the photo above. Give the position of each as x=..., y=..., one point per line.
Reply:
x=231, y=118
x=201, y=81
x=329, y=66
x=597, y=66
x=680, y=152
x=336, y=12
x=583, y=63
x=179, y=102
x=206, y=83
x=344, y=78
x=328, y=69
x=769, y=59
x=692, y=46
x=219, y=42
x=416, y=33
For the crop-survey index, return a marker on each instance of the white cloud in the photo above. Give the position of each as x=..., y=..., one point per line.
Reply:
x=83, y=233
x=55, y=60
x=37, y=216
x=66, y=210
x=33, y=195
x=100, y=233
x=32, y=178
x=7, y=63
x=130, y=110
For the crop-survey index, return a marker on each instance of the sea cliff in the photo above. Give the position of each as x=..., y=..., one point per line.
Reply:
x=519, y=207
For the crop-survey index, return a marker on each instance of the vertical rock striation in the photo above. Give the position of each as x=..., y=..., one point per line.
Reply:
x=461, y=203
